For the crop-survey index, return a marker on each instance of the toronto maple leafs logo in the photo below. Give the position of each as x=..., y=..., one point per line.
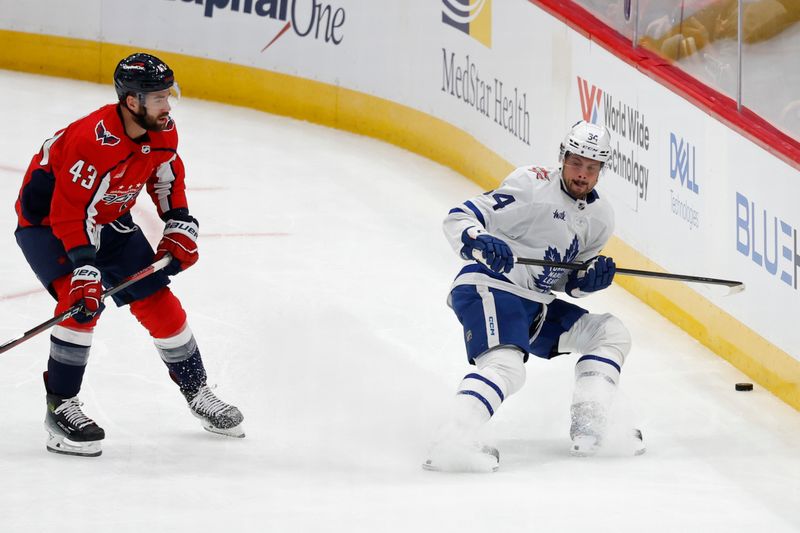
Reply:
x=103, y=135
x=549, y=275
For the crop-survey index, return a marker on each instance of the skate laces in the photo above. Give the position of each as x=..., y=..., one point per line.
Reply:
x=71, y=410
x=206, y=401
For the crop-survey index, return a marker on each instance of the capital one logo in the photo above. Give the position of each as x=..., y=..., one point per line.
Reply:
x=316, y=19
x=473, y=17
x=590, y=100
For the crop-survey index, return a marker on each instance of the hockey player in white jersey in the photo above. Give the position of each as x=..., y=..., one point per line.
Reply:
x=509, y=311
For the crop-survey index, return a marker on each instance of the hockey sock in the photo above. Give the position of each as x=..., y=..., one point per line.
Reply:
x=482, y=386
x=63, y=380
x=499, y=374
x=182, y=357
x=596, y=380
x=69, y=353
x=160, y=313
x=189, y=374
x=477, y=399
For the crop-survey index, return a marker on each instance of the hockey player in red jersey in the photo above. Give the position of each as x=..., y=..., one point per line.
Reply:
x=76, y=231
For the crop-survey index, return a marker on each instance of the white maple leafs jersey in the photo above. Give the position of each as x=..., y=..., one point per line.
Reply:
x=532, y=212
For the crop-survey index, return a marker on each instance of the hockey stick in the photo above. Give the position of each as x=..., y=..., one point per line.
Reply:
x=733, y=286
x=130, y=280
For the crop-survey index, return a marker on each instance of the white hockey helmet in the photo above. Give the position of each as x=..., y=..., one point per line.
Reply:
x=587, y=140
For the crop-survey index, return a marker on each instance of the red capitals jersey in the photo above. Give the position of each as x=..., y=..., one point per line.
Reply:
x=91, y=172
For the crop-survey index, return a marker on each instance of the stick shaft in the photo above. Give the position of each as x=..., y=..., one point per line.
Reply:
x=633, y=272
x=47, y=324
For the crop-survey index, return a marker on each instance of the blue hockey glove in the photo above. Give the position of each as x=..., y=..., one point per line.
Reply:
x=597, y=277
x=488, y=249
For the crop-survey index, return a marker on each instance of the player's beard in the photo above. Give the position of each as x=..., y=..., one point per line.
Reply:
x=578, y=191
x=151, y=123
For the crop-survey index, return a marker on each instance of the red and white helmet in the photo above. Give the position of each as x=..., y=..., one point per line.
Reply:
x=587, y=140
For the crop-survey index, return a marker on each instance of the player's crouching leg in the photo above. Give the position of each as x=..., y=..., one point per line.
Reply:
x=500, y=373
x=605, y=343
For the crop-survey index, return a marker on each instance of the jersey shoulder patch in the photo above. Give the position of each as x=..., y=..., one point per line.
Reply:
x=103, y=136
x=540, y=173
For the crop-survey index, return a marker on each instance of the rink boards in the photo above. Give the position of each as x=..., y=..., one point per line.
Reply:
x=483, y=91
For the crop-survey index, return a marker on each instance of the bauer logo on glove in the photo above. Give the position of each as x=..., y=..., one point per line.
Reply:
x=180, y=241
x=86, y=289
x=178, y=226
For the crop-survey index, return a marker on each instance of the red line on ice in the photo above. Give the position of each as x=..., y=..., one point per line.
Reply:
x=264, y=234
x=14, y=170
x=20, y=294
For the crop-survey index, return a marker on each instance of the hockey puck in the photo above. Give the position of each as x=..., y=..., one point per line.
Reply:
x=744, y=386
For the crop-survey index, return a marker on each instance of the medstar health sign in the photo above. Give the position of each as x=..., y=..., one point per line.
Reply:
x=473, y=17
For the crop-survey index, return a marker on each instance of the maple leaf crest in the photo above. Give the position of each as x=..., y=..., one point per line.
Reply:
x=549, y=275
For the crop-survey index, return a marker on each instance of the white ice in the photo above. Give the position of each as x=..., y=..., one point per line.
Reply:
x=319, y=307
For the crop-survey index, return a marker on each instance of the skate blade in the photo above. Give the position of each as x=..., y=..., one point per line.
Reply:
x=484, y=461
x=430, y=467
x=588, y=449
x=585, y=446
x=236, y=432
x=639, y=448
x=62, y=445
x=577, y=451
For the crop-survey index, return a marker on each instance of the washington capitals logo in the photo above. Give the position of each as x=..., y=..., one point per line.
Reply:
x=105, y=138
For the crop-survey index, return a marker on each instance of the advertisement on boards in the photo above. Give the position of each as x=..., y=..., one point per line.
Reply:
x=628, y=171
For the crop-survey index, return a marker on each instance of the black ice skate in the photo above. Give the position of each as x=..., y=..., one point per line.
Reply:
x=215, y=415
x=71, y=431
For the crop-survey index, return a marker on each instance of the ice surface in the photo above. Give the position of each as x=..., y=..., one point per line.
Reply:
x=319, y=307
